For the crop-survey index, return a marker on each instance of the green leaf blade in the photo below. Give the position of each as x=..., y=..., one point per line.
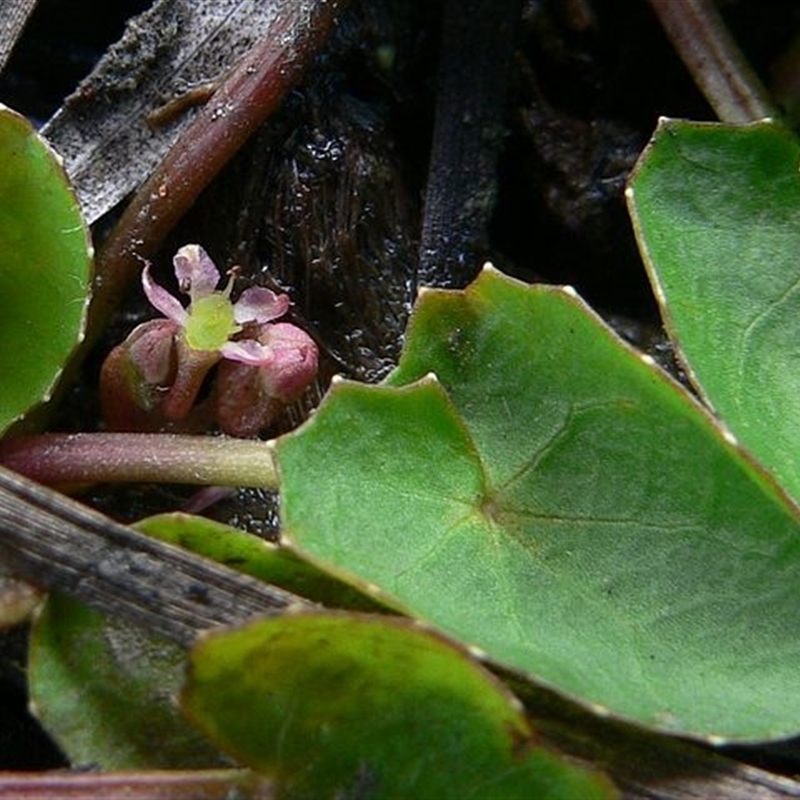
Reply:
x=253, y=556
x=619, y=549
x=333, y=705
x=716, y=209
x=45, y=268
x=392, y=480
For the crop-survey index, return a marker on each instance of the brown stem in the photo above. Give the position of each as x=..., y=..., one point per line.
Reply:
x=254, y=89
x=70, y=458
x=720, y=70
x=477, y=43
x=15, y=15
x=61, y=545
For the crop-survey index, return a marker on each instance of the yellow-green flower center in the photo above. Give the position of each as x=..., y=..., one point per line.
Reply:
x=210, y=323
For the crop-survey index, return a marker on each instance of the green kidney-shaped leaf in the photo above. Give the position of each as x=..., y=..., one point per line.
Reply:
x=717, y=213
x=564, y=506
x=45, y=268
x=337, y=705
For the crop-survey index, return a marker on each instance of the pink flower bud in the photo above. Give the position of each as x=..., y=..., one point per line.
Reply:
x=250, y=394
x=135, y=376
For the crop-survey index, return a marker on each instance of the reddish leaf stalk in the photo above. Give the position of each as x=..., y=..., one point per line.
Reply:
x=198, y=785
x=75, y=458
x=252, y=91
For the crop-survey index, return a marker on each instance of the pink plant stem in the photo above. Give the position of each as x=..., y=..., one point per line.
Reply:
x=253, y=90
x=76, y=458
x=177, y=785
x=193, y=366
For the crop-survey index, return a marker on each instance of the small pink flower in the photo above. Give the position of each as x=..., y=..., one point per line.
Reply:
x=164, y=362
x=211, y=319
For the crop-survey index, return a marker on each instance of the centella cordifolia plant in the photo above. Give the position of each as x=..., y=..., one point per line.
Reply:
x=152, y=380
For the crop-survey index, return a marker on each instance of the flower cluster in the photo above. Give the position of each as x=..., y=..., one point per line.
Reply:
x=152, y=380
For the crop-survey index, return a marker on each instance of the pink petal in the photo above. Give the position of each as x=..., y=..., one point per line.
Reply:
x=247, y=351
x=286, y=357
x=161, y=299
x=196, y=273
x=258, y=304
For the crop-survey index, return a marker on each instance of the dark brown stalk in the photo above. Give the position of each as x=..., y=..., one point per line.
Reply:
x=477, y=43
x=253, y=90
x=720, y=70
x=59, y=544
x=14, y=15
